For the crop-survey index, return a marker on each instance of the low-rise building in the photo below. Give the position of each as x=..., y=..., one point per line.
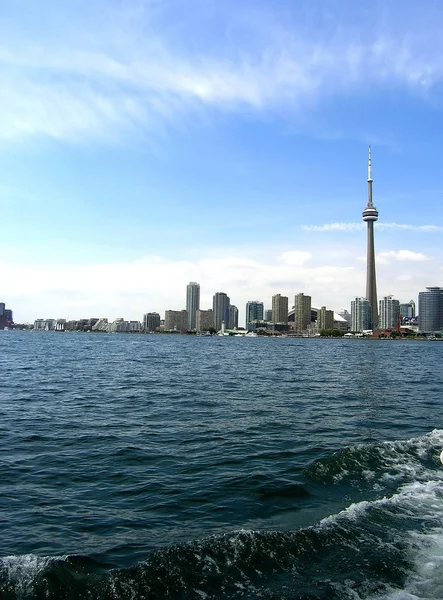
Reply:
x=176, y=320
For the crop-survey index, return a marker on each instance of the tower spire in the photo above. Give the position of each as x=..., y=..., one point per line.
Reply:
x=370, y=215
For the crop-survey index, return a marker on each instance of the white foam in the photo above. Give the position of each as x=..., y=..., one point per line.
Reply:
x=423, y=502
x=21, y=571
x=425, y=580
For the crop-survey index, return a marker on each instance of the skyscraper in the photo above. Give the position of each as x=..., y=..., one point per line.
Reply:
x=430, y=310
x=192, y=303
x=360, y=314
x=254, y=312
x=220, y=304
x=389, y=312
x=370, y=215
x=302, y=312
x=279, y=309
x=325, y=318
x=407, y=309
x=232, y=317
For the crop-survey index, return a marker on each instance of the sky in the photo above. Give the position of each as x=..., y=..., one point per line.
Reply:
x=145, y=144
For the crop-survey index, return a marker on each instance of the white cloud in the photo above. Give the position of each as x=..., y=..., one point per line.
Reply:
x=351, y=227
x=132, y=288
x=335, y=227
x=295, y=258
x=401, y=255
x=92, y=86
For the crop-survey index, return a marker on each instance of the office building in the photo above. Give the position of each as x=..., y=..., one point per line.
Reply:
x=220, y=305
x=325, y=318
x=204, y=320
x=192, y=303
x=302, y=312
x=151, y=321
x=370, y=215
x=430, y=310
x=268, y=314
x=407, y=310
x=389, y=313
x=254, y=312
x=360, y=315
x=279, y=309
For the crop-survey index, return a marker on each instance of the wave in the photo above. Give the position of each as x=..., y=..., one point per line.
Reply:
x=389, y=547
x=381, y=465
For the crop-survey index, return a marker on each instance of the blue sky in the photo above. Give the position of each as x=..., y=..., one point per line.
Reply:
x=151, y=143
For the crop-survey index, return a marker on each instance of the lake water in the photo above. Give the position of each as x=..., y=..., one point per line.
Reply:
x=139, y=467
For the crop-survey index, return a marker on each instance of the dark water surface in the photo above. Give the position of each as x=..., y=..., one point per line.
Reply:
x=152, y=466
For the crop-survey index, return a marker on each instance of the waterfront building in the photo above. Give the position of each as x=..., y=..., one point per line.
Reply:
x=204, y=320
x=151, y=321
x=407, y=309
x=325, y=318
x=430, y=310
x=134, y=327
x=346, y=315
x=3, y=321
x=341, y=323
x=254, y=312
x=39, y=325
x=232, y=322
x=176, y=320
x=370, y=215
x=279, y=309
x=60, y=324
x=302, y=312
x=360, y=315
x=389, y=312
x=268, y=314
x=220, y=306
x=192, y=303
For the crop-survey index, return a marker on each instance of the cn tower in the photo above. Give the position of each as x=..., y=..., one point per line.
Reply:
x=370, y=215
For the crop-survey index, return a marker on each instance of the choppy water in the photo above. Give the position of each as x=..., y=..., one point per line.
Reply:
x=139, y=467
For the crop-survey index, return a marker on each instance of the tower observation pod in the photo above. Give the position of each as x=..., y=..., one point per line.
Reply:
x=370, y=215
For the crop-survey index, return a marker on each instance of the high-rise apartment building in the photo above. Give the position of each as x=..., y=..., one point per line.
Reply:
x=370, y=215
x=192, y=303
x=360, y=315
x=389, y=313
x=151, y=321
x=220, y=304
x=204, y=320
x=302, y=312
x=232, y=322
x=407, y=309
x=268, y=315
x=279, y=309
x=430, y=310
x=254, y=312
x=176, y=320
x=325, y=318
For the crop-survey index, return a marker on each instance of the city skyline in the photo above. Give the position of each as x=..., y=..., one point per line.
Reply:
x=146, y=146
